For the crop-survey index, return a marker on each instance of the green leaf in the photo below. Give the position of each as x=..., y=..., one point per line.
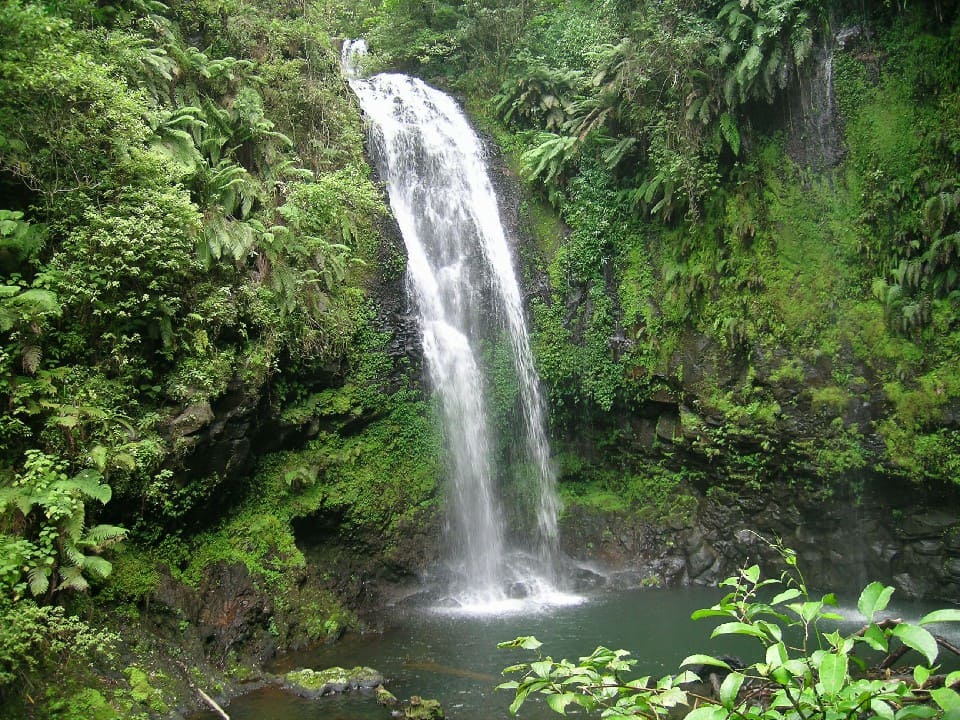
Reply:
x=738, y=628
x=730, y=132
x=526, y=642
x=98, y=453
x=807, y=611
x=711, y=612
x=708, y=712
x=920, y=675
x=948, y=700
x=833, y=673
x=776, y=655
x=788, y=594
x=542, y=668
x=518, y=699
x=39, y=580
x=751, y=574
x=730, y=689
x=704, y=660
x=874, y=637
x=881, y=709
x=97, y=566
x=918, y=639
x=874, y=599
x=558, y=703
x=940, y=616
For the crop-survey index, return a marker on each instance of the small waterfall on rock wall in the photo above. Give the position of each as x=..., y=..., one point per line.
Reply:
x=461, y=280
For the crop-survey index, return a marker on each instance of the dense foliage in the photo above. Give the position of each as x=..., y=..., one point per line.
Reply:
x=188, y=231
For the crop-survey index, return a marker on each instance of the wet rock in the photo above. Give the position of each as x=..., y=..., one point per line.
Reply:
x=700, y=561
x=418, y=708
x=233, y=613
x=193, y=419
x=926, y=525
x=317, y=683
x=385, y=697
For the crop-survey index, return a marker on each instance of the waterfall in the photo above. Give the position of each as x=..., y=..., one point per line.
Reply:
x=461, y=280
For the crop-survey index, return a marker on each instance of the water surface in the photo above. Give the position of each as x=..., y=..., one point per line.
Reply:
x=454, y=658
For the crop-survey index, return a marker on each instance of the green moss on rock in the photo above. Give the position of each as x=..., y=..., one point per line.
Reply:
x=314, y=683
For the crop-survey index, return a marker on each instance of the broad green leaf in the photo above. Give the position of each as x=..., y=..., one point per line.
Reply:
x=672, y=697
x=781, y=676
x=738, y=628
x=874, y=637
x=788, y=594
x=940, y=616
x=807, y=610
x=751, y=574
x=704, y=660
x=708, y=712
x=730, y=689
x=918, y=639
x=776, y=655
x=881, y=709
x=796, y=667
x=948, y=700
x=542, y=668
x=558, y=703
x=833, y=673
x=916, y=711
x=952, y=678
x=518, y=699
x=920, y=675
x=770, y=629
x=874, y=599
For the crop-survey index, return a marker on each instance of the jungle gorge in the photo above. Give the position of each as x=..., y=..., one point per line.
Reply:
x=735, y=228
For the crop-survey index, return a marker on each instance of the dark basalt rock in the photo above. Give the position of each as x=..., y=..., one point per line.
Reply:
x=842, y=543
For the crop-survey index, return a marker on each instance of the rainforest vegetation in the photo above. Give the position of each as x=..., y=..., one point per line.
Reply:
x=745, y=223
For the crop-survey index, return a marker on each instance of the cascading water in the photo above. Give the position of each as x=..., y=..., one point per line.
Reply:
x=461, y=280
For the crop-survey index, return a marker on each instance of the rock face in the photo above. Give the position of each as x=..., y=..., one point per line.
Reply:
x=842, y=543
x=226, y=613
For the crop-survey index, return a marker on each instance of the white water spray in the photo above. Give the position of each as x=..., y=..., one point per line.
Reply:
x=460, y=277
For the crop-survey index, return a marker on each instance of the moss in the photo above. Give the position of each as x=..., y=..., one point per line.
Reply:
x=134, y=577
x=789, y=372
x=652, y=493
x=829, y=398
x=333, y=680
x=142, y=691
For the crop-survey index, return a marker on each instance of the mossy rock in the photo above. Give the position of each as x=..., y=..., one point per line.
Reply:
x=385, y=697
x=315, y=683
x=418, y=708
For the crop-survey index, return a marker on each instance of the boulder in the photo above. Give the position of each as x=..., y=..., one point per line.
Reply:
x=317, y=683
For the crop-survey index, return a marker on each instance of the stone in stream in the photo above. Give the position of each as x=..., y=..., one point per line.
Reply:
x=316, y=683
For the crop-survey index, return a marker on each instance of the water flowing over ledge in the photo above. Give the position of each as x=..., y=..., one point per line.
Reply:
x=461, y=280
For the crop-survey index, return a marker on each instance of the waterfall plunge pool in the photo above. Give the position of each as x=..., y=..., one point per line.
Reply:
x=454, y=658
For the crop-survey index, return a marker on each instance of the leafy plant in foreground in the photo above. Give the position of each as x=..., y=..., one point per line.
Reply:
x=806, y=672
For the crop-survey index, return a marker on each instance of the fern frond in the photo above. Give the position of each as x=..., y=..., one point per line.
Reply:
x=38, y=579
